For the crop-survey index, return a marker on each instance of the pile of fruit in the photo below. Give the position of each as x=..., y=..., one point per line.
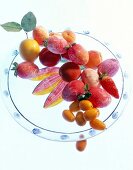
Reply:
x=84, y=80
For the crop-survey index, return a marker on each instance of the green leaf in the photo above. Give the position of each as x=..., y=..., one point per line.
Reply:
x=11, y=26
x=28, y=22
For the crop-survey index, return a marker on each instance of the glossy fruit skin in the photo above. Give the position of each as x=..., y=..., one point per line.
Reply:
x=69, y=71
x=97, y=124
x=74, y=106
x=95, y=58
x=48, y=58
x=68, y=115
x=85, y=105
x=57, y=44
x=40, y=34
x=109, y=85
x=109, y=67
x=72, y=90
x=99, y=97
x=91, y=114
x=80, y=120
x=29, y=50
x=27, y=70
x=78, y=54
x=90, y=76
x=81, y=145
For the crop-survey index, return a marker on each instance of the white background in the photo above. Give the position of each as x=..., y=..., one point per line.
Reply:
x=113, y=150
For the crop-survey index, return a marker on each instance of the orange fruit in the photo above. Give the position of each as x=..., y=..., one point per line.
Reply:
x=40, y=34
x=95, y=58
x=91, y=114
x=80, y=120
x=97, y=124
x=85, y=105
x=81, y=145
x=69, y=36
x=29, y=49
x=68, y=115
x=74, y=106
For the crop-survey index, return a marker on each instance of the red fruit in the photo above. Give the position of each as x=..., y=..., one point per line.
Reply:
x=65, y=55
x=25, y=69
x=57, y=44
x=69, y=71
x=99, y=97
x=48, y=58
x=72, y=90
x=109, y=85
x=78, y=54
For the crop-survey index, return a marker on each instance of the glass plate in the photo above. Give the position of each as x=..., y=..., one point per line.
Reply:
x=27, y=109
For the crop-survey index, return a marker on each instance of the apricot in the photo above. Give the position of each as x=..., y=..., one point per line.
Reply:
x=68, y=115
x=69, y=71
x=69, y=36
x=72, y=90
x=81, y=145
x=80, y=120
x=95, y=58
x=40, y=34
x=85, y=105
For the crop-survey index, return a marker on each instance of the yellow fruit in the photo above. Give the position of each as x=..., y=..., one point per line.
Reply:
x=91, y=114
x=69, y=36
x=29, y=50
x=85, y=105
x=68, y=115
x=97, y=124
x=74, y=106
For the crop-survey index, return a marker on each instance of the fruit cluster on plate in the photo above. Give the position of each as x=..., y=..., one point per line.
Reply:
x=84, y=79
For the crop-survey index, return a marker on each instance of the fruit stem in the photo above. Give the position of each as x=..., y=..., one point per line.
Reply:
x=26, y=35
x=101, y=75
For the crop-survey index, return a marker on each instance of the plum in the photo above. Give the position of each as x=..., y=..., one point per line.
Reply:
x=48, y=58
x=69, y=71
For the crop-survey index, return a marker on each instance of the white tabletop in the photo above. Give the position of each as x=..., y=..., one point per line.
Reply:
x=112, y=21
